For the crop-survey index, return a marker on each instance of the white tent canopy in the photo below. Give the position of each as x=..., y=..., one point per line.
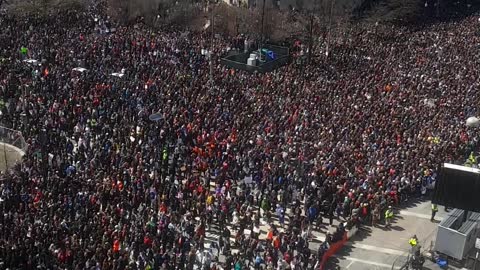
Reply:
x=473, y=122
x=155, y=117
x=80, y=69
x=31, y=61
x=117, y=74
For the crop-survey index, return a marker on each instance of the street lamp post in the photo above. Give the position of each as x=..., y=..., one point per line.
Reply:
x=212, y=25
x=310, y=41
x=438, y=8
x=5, y=157
x=312, y=21
x=329, y=26
x=262, y=33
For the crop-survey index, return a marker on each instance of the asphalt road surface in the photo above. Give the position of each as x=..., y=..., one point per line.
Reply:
x=373, y=247
x=381, y=248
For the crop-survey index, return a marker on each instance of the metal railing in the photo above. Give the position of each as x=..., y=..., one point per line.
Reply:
x=239, y=61
x=12, y=147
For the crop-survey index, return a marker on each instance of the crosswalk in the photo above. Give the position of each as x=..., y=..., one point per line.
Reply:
x=418, y=215
x=316, y=236
x=213, y=233
x=356, y=255
x=372, y=265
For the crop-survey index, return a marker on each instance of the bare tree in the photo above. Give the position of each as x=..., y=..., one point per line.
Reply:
x=321, y=18
x=316, y=15
x=396, y=11
x=151, y=10
x=41, y=7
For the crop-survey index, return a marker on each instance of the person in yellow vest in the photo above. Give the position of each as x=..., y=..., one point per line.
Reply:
x=210, y=199
x=472, y=160
x=434, y=211
x=388, y=216
x=165, y=154
x=413, y=243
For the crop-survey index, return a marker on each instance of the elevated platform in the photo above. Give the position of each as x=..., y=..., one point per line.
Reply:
x=239, y=60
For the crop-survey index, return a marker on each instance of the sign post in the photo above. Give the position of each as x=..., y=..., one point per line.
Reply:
x=477, y=246
x=475, y=263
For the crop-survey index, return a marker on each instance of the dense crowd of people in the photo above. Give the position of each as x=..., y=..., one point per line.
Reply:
x=104, y=187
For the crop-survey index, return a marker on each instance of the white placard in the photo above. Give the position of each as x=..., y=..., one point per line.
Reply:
x=31, y=61
x=79, y=69
x=477, y=243
x=120, y=75
x=248, y=180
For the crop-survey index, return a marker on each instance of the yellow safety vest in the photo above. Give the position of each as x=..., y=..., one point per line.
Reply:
x=388, y=213
x=210, y=200
x=471, y=158
x=434, y=207
x=412, y=242
x=165, y=154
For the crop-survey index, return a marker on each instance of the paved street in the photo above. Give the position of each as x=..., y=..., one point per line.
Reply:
x=373, y=247
x=381, y=248
x=318, y=236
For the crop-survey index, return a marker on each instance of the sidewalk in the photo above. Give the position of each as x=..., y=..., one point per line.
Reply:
x=388, y=248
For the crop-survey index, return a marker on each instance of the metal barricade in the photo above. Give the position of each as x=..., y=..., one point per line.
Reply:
x=12, y=147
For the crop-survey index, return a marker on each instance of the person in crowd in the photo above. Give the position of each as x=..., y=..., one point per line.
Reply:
x=434, y=211
x=101, y=186
x=388, y=216
x=413, y=242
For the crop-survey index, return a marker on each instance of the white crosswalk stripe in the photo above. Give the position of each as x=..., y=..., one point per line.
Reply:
x=413, y=214
x=376, y=249
x=378, y=264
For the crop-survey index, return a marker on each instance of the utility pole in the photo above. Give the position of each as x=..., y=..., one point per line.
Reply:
x=310, y=43
x=262, y=32
x=5, y=156
x=312, y=21
x=212, y=25
x=329, y=27
x=476, y=259
x=438, y=8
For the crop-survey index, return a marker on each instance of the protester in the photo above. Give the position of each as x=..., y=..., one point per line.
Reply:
x=434, y=211
x=104, y=187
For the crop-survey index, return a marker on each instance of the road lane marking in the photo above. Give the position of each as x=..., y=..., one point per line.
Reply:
x=378, y=249
x=413, y=214
x=367, y=262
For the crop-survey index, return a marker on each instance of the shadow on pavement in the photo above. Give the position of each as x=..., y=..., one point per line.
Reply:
x=332, y=264
x=391, y=228
x=363, y=232
x=412, y=202
x=397, y=228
